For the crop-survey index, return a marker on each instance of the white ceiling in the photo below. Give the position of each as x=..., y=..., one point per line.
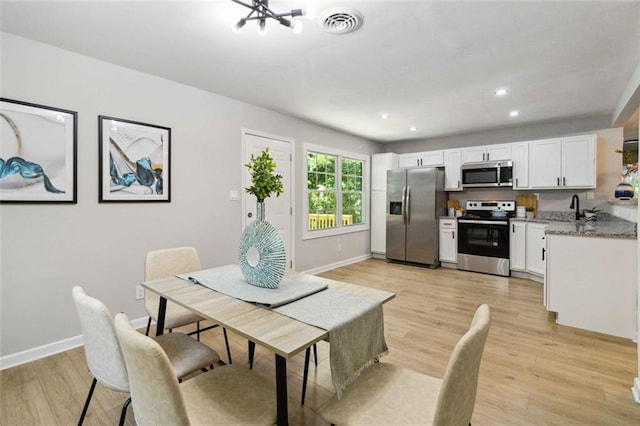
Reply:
x=429, y=64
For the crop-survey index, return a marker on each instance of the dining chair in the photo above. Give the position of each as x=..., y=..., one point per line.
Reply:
x=104, y=358
x=166, y=263
x=227, y=395
x=389, y=394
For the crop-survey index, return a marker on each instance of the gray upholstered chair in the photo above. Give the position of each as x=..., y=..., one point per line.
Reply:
x=104, y=357
x=166, y=263
x=388, y=394
x=227, y=395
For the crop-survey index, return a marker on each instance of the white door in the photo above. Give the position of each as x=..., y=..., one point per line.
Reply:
x=277, y=209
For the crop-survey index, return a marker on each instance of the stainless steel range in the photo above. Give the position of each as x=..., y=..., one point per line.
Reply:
x=483, y=237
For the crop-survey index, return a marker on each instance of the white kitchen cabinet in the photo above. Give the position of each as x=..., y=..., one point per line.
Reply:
x=591, y=283
x=478, y=154
x=520, y=158
x=421, y=159
x=380, y=163
x=452, y=173
x=517, y=246
x=563, y=163
x=448, y=240
x=536, y=248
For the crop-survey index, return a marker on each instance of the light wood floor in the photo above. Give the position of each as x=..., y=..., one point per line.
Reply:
x=533, y=372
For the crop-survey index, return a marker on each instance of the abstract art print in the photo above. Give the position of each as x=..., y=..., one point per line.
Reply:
x=38, y=153
x=134, y=161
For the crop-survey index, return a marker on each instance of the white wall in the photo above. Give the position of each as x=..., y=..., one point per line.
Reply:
x=46, y=249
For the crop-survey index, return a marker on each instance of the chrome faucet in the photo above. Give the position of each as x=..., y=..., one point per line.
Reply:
x=577, y=205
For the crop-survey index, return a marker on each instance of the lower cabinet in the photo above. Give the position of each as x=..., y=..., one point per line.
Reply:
x=527, y=247
x=379, y=222
x=448, y=240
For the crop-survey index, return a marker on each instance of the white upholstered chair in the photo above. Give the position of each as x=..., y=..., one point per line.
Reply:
x=166, y=263
x=387, y=394
x=227, y=395
x=104, y=357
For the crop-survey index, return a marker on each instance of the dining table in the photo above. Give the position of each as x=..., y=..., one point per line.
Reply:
x=281, y=334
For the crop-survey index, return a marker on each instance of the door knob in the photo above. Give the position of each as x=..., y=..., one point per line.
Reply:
x=249, y=214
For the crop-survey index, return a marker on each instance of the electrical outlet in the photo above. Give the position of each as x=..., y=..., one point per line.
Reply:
x=139, y=292
x=537, y=195
x=589, y=195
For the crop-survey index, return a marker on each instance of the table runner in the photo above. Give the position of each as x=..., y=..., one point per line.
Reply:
x=356, y=330
x=230, y=281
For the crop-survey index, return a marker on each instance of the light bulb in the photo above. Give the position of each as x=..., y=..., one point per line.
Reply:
x=297, y=27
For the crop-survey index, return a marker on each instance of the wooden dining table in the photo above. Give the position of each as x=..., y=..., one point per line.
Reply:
x=282, y=335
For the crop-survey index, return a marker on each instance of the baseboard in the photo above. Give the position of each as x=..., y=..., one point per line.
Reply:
x=635, y=390
x=53, y=348
x=345, y=262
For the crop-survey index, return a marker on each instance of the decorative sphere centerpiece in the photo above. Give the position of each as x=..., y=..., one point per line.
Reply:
x=261, y=253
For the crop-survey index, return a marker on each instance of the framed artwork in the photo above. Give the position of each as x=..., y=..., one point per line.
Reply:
x=135, y=161
x=38, y=153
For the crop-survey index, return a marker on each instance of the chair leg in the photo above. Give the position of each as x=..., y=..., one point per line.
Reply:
x=123, y=414
x=252, y=351
x=198, y=330
x=86, y=403
x=226, y=340
x=305, y=376
x=148, y=326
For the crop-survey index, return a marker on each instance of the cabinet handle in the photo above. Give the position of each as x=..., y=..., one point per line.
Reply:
x=517, y=182
x=564, y=181
x=543, y=250
x=488, y=154
x=513, y=227
x=453, y=235
x=458, y=184
x=558, y=181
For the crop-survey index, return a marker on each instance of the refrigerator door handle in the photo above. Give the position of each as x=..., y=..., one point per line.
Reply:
x=404, y=205
x=407, y=208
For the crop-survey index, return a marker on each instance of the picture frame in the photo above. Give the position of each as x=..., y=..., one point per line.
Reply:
x=134, y=161
x=38, y=153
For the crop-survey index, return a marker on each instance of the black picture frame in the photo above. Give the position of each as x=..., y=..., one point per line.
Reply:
x=134, y=161
x=38, y=153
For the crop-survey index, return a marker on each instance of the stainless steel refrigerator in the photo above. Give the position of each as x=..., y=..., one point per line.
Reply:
x=415, y=200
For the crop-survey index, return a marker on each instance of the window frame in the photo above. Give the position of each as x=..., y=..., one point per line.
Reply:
x=339, y=229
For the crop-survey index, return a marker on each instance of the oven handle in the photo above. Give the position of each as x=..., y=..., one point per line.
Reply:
x=484, y=222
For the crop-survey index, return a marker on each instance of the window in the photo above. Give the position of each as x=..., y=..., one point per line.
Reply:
x=336, y=188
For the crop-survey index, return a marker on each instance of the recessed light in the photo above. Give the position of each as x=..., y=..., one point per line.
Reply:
x=384, y=115
x=412, y=129
x=514, y=114
x=501, y=92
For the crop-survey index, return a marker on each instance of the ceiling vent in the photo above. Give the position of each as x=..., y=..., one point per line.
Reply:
x=340, y=20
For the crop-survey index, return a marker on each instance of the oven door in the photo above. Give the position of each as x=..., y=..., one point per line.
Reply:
x=488, y=238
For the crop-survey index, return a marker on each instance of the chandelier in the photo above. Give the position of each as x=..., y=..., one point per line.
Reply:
x=260, y=12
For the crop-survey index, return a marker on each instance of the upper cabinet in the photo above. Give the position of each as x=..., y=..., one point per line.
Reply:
x=479, y=154
x=520, y=158
x=380, y=163
x=563, y=163
x=452, y=173
x=421, y=159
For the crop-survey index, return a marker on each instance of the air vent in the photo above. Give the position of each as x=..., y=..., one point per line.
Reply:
x=340, y=20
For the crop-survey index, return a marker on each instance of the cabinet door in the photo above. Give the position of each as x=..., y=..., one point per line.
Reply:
x=520, y=156
x=380, y=163
x=498, y=152
x=475, y=154
x=448, y=240
x=431, y=159
x=545, y=166
x=517, y=246
x=409, y=160
x=378, y=222
x=452, y=174
x=536, y=248
x=579, y=162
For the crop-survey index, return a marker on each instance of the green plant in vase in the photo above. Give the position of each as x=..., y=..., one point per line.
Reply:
x=261, y=253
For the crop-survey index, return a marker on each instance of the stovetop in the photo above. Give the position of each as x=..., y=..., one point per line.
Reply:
x=481, y=210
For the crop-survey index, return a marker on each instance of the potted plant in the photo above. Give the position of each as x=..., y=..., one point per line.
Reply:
x=261, y=253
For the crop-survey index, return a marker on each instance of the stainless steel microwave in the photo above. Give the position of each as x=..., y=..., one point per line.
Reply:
x=486, y=174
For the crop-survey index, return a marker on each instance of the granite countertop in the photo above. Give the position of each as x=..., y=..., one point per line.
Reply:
x=564, y=223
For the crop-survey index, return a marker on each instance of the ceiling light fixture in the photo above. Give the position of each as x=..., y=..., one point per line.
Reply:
x=501, y=92
x=412, y=129
x=260, y=12
x=514, y=114
x=384, y=115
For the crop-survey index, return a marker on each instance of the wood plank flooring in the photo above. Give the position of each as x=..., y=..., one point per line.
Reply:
x=533, y=372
